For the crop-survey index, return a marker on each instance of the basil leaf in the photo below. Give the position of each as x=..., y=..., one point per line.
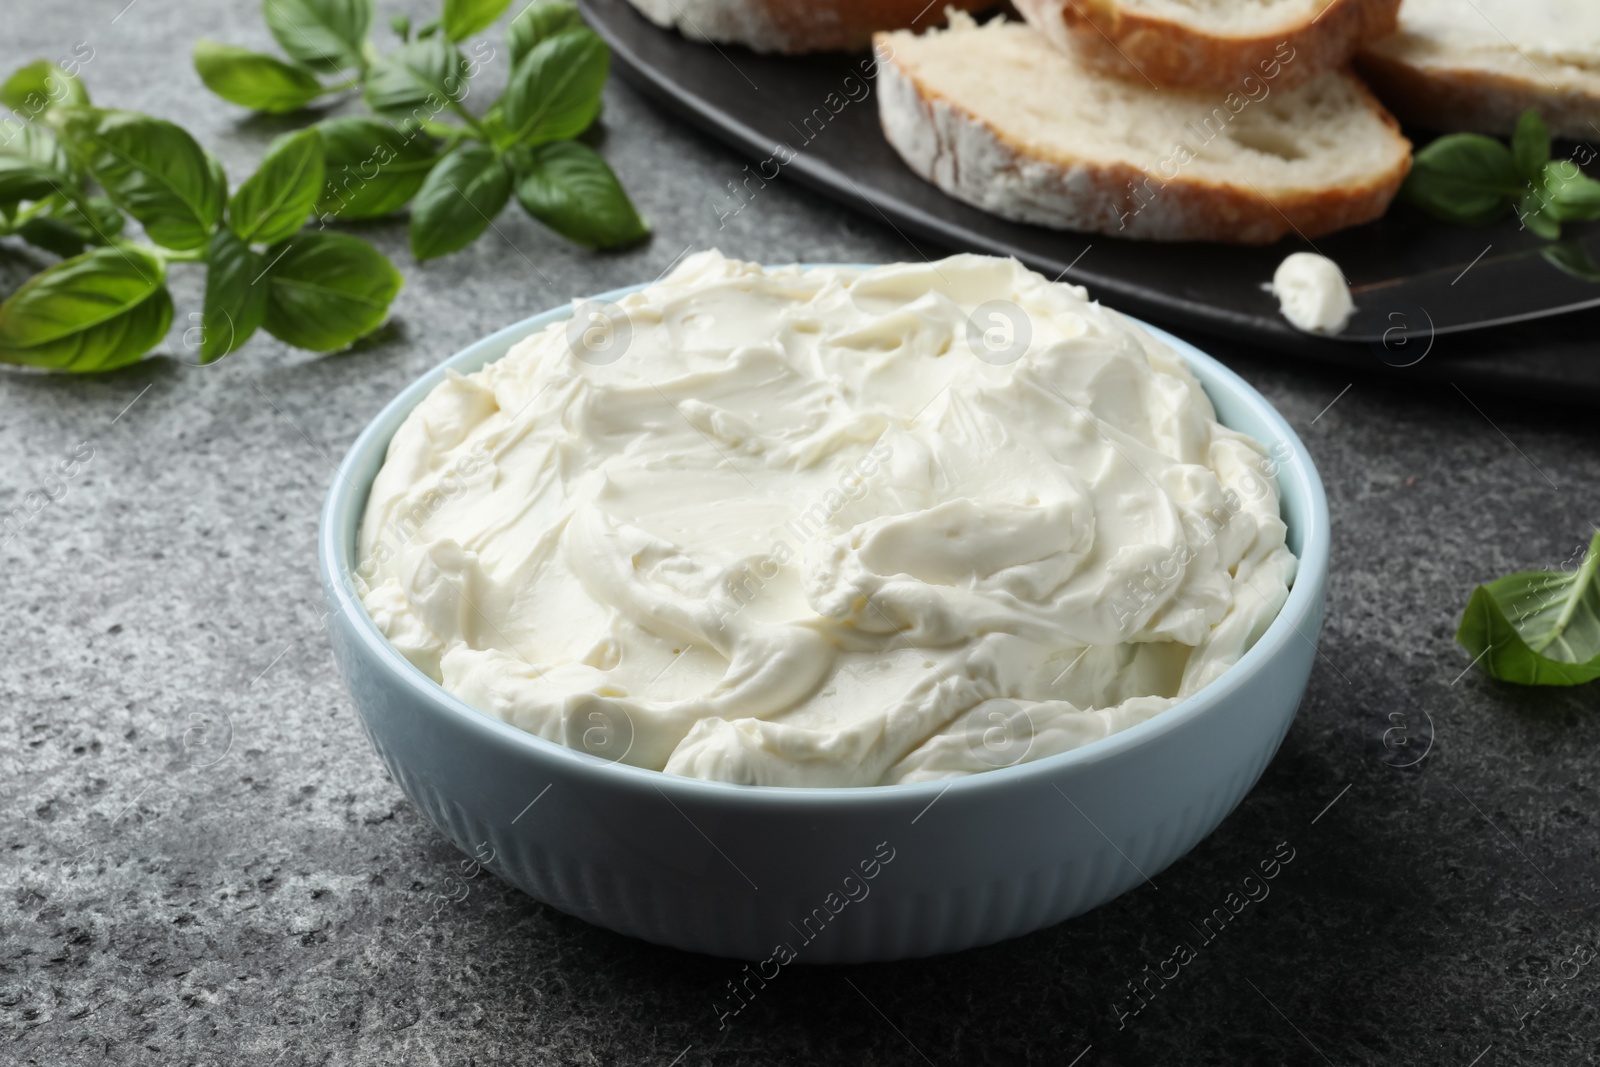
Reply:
x=554, y=92
x=33, y=89
x=1534, y=211
x=1538, y=627
x=32, y=165
x=97, y=311
x=1464, y=178
x=236, y=296
x=421, y=76
x=273, y=202
x=463, y=18
x=372, y=168
x=66, y=230
x=153, y=170
x=569, y=188
x=84, y=291
x=1572, y=258
x=1530, y=145
x=493, y=124
x=539, y=22
x=53, y=236
x=461, y=195
x=1572, y=196
x=253, y=80
x=325, y=35
x=326, y=290
x=401, y=25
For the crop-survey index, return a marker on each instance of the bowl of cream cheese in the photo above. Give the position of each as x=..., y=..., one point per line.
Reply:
x=827, y=613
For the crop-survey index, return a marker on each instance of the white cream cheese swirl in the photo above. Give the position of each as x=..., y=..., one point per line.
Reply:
x=826, y=528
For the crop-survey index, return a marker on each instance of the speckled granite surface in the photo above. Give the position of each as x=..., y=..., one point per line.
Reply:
x=281, y=904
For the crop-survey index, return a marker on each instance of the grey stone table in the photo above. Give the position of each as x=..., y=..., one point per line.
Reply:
x=283, y=904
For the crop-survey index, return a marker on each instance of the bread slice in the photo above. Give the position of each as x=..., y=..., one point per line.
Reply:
x=1213, y=44
x=794, y=26
x=1477, y=65
x=999, y=117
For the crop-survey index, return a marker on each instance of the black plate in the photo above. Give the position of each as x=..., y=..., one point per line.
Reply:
x=1416, y=282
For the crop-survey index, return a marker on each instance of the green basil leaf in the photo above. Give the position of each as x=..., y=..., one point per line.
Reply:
x=273, y=203
x=34, y=89
x=253, y=80
x=97, y=311
x=103, y=222
x=153, y=170
x=32, y=165
x=66, y=230
x=1572, y=258
x=427, y=29
x=373, y=169
x=20, y=180
x=326, y=290
x=53, y=236
x=569, y=188
x=1464, y=178
x=236, y=296
x=96, y=217
x=554, y=92
x=108, y=345
x=1530, y=145
x=325, y=35
x=423, y=76
x=463, y=18
x=493, y=124
x=461, y=195
x=1573, y=197
x=84, y=291
x=1535, y=212
x=539, y=22
x=401, y=25
x=1538, y=627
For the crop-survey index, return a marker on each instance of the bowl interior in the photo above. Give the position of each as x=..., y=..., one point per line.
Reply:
x=1302, y=504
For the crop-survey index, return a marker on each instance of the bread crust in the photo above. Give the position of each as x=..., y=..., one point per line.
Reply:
x=1452, y=100
x=1173, y=55
x=970, y=160
x=789, y=26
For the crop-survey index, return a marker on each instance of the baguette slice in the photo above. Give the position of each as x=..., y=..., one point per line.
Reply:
x=791, y=26
x=1476, y=65
x=997, y=116
x=1213, y=44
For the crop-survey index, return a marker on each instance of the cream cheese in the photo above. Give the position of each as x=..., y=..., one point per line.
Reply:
x=1312, y=293
x=826, y=528
x=1552, y=42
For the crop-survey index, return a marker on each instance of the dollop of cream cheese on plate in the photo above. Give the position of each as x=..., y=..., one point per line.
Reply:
x=826, y=527
x=1312, y=293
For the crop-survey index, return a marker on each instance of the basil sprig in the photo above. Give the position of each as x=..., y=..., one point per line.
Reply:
x=1538, y=627
x=1473, y=180
x=460, y=165
x=70, y=175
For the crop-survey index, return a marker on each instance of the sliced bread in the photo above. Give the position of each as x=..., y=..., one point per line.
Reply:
x=1213, y=44
x=999, y=117
x=790, y=26
x=1477, y=65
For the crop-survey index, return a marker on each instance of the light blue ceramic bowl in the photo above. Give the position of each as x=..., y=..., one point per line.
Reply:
x=782, y=875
